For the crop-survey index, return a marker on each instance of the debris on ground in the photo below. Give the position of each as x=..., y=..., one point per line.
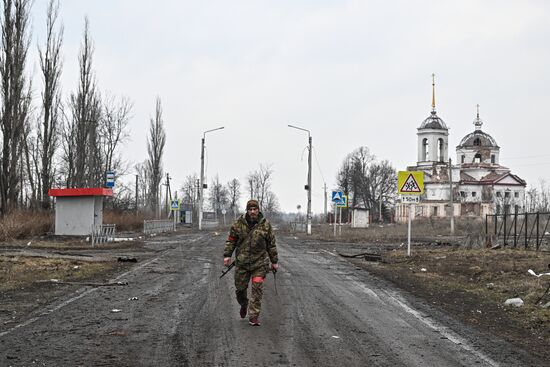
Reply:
x=490, y=285
x=516, y=302
x=133, y=299
x=127, y=259
x=115, y=310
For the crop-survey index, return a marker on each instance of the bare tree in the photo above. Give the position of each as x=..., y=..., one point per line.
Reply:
x=234, y=194
x=15, y=98
x=259, y=185
x=51, y=66
x=143, y=184
x=114, y=129
x=190, y=189
x=82, y=148
x=218, y=195
x=367, y=181
x=155, y=149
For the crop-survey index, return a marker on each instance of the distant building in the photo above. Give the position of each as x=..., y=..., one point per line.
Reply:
x=480, y=185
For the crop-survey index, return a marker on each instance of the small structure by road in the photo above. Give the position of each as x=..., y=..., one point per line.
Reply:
x=78, y=210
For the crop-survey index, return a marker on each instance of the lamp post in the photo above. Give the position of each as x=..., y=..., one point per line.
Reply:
x=201, y=189
x=308, y=186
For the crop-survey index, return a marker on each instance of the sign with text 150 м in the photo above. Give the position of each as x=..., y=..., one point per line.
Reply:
x=410, y=185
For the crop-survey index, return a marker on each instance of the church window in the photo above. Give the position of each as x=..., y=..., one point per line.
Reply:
x=499, y=194
x=507, y=194
x=435, y=211
x=462, y=158
x=507, y=209
x=516, y=209
x=516, y=194
x=462, y=194
x=477, y=141
x=477, y=158
x=493, y=159
x=498, y=209
x=440, y=149
x=425, y=149
x=474, y=194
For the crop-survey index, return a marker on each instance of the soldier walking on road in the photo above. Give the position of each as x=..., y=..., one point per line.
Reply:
x=251, y=237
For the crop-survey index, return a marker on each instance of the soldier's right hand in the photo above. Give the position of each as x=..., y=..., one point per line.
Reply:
x=226, y=261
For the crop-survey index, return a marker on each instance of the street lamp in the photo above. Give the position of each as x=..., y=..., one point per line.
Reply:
x=308, y=186
x=201, y=191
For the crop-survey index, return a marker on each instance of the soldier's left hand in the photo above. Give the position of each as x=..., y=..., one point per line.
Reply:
x=275, y=267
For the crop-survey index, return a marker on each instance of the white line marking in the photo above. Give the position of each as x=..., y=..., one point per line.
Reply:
x=328, y=252
x=445, y=331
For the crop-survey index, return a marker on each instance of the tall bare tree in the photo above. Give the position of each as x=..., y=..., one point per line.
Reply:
x=81, y=138
x=114, y=129
x=259, y=186
x=155, y=149
x=365, y=180
x=218, y=195
x=190, y=189
x=51, y=67
x=15, y=98
x=234, y=194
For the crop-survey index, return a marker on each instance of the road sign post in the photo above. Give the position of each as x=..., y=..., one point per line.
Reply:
x=337, y=198
x=410, y=185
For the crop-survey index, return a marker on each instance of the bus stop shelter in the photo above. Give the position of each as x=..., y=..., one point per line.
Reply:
x=78, y=210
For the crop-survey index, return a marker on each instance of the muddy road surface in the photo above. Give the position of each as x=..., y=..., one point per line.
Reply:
x=175, y=311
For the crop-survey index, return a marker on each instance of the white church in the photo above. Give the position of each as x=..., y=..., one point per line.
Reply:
x=480, y=185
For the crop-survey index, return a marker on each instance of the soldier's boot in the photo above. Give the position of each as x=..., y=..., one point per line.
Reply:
x=254, y=321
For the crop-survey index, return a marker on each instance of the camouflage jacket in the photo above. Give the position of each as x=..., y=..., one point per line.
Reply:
x=254, y=247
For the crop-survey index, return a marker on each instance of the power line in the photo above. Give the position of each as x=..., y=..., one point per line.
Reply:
x=318, y=166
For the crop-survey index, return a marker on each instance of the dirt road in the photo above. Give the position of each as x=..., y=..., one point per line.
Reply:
x=176, y=312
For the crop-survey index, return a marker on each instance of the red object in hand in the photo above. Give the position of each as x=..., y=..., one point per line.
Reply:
x=226, y=261
x=275, y=267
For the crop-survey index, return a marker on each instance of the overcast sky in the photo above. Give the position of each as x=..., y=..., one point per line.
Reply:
x=355, y=73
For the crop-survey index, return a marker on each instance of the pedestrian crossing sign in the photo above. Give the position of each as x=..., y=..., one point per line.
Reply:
x=175, y=205
x=410, y=182
x=337, y=197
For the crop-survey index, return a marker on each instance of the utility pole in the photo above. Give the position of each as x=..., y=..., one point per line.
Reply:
x=325, y=203
x=451, y=198
x=137, y=194
x=168, y=194
x=309, y=188
x=201, y=187
x=201, y=192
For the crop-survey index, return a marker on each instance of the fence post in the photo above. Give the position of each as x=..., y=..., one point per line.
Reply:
x=537, y=241
x=505, y=229
x=515, y=228
x=486, y=228
x=526, y=228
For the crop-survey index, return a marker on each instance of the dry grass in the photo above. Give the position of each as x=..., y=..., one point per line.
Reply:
x=19, y=272
x=422, y=230
x=25, y=224
x=125, y=221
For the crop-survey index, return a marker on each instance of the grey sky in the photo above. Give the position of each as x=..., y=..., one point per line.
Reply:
x=353, y=72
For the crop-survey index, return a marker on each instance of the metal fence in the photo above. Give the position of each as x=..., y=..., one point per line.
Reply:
x=523, y=229
x=158, y=226
x=102, y=233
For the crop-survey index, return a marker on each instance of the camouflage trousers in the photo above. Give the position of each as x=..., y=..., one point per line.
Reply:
x=242, y=278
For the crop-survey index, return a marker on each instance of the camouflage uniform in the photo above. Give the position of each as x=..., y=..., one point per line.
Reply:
x=255, y=248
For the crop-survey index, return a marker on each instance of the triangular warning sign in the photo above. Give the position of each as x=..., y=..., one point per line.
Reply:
x=410, y=185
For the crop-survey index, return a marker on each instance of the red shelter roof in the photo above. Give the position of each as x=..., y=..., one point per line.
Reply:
x=96, y=191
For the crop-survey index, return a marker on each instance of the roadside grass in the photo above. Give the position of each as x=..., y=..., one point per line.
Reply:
x=22, y=224
x=125, y=221
x=422, y=230
x=475, y=283
x=21, y=272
